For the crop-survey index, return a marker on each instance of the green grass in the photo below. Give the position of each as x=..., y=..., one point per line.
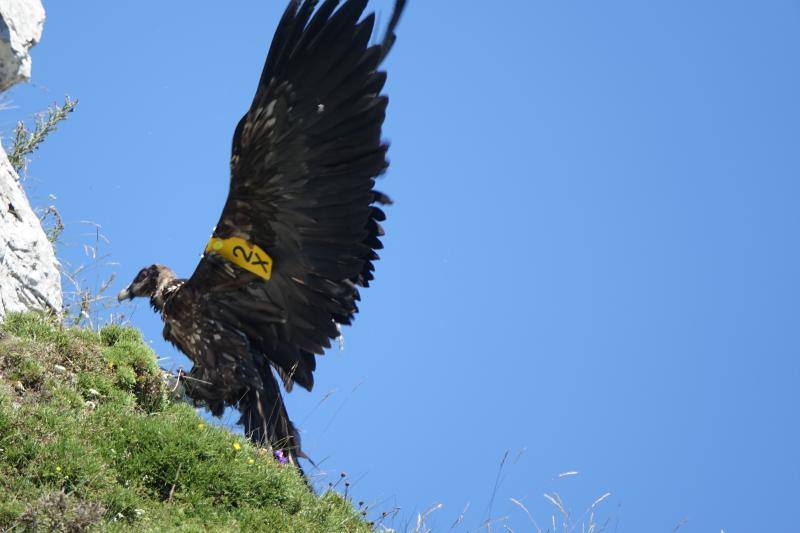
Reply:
x=90, y=441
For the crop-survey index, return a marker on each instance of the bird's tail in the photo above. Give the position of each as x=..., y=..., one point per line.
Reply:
x=266, y=422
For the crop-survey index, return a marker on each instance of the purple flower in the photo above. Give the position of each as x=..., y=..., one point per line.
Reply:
x=281, y=458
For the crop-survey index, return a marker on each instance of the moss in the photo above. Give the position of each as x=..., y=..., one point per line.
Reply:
x=90, y=441
x=112, y=334
x=27, y=370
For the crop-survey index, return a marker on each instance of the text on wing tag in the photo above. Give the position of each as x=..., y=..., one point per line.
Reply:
x=240, y=252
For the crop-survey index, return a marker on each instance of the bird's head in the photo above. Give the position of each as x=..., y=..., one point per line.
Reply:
x=147, y=282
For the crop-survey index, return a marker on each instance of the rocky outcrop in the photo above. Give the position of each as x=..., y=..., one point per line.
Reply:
x=21, y=23
x=29, y=276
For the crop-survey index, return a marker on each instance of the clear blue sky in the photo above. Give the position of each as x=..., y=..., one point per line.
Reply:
x=593, y=255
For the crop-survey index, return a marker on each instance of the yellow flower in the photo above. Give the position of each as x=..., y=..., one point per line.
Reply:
x=58, y=469
x=251, y=461
x=200, y=425
x=237, y=446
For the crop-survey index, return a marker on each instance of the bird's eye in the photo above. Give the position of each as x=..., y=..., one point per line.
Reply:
x=140, y=276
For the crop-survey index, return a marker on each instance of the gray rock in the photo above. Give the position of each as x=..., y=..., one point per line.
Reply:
x=29, y=275
x=21, y=23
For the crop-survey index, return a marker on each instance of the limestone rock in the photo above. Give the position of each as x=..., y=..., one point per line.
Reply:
x=21, y=23
x=29, y=275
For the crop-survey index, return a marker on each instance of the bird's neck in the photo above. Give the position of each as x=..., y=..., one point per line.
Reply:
x=165, y=289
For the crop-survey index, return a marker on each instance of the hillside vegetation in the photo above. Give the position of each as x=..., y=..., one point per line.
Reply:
x=89, y=440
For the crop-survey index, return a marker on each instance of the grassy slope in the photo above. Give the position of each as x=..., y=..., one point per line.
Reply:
x=88, y=440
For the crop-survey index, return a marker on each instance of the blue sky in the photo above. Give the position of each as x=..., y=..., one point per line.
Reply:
x=592, y=260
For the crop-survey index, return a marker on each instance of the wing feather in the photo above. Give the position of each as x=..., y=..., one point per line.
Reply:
x=304, y=161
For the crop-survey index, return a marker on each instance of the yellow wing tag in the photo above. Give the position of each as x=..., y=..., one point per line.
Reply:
x=240, y=252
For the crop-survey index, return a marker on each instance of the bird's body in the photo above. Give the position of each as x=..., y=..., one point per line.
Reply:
x=300, y=227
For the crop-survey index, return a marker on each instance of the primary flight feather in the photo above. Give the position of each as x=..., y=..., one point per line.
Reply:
x=300, y=227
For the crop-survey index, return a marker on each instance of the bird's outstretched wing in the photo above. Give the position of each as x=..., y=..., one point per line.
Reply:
x=303, y=167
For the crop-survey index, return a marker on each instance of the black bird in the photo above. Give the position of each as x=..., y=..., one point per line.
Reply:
x=300, y=226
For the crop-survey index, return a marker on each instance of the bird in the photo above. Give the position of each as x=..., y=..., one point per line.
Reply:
x=300, y=229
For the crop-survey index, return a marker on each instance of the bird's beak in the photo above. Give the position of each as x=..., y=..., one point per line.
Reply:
x=125, y=294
